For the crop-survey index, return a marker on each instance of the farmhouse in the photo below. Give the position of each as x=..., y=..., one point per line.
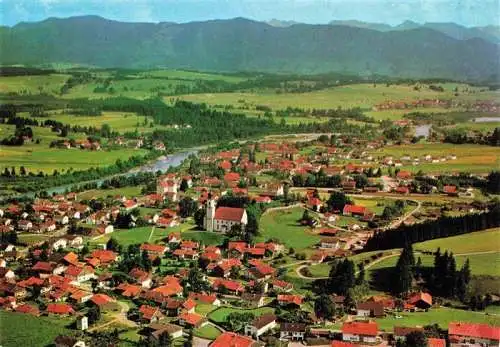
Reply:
x=261, y=325
x=365, y=332
x=293, y=331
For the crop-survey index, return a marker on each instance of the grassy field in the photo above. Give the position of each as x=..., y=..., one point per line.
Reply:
x=129, y=192
x=442, y=316
x=204, y=309
x=18, y=329
x=219, y=316
x=39, y=157
x=283, y=225
x=480, y=264
x=118, y=121
x=208, y=332
x=480, y=241
x=470, y=158
x=33, y=85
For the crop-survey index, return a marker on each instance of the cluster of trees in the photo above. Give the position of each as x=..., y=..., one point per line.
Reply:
x=442, y=227
x=461, y=136
x=394, y=210
x=446, y=280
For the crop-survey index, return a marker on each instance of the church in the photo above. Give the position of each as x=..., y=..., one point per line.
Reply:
x=222, y=219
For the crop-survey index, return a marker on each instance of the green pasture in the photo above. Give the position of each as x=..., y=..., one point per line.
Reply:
x=19, y=329
x=284, y=226
x=33, y=85
x=220, y=315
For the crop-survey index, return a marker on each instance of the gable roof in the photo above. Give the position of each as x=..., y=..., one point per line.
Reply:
x=360, y=328
x=229, y=339
x=474, y=330
x=234, y=214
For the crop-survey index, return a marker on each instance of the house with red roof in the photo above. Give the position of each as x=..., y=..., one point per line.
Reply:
x=450, y=190
x=194, y=320
x=141, y=277
x=360, y=331
x=228, y=339
x=28, y=309
x=418, y=301
x=129, y=290
x=150, y=314
x=400, y=332
x=223, y=285
x=435, y=342
x=290, y=300
x=105, y=256
x=60, y=309
x=354, y=210
x=205, y=298
x=473, y=334
x=224, y=267
x=236, y=249
x=102, y=300
x=80, y=274
x=262, y=271
x=281, y=286
x=154, y=250
x=186, y=254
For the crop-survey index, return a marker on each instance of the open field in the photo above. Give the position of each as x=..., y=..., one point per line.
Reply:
x=357, y=95
x=470, y=158
x=480, y=241
x=283, y=225
x=19, y=329
x=129, y=192
x=442, y=316
x=191, y=75
x=39, y=157
x=480, y=264
x=118, y=121
x=220, y=315
x=33, y=85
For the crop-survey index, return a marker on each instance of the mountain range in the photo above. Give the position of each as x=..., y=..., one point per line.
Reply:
x=244, y=45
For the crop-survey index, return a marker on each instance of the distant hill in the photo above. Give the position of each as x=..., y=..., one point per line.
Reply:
x=281, y=23
x=244, y=45
x=459, y=32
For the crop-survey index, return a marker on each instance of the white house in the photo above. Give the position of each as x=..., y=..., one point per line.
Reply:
x=261, y=325
x=292, y=331
x=360, y=331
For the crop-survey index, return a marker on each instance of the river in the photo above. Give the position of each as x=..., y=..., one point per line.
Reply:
x=161, y=164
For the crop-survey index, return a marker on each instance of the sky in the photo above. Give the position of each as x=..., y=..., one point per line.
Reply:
x=465, y=12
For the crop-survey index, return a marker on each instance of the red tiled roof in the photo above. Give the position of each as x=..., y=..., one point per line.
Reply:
x=337, y=343
x=42, y=266
x=290, y=299
x=434, y=342
x=101, y=299
x=191, y=318
x=229, y=213
x=28, y=309
x=71, y=258
x=59, y=308
x=129, y=290
x=356, y=209
x=153, y=248
x=148, y=312
x=450, y=189
x=189, y=304
x=238, y=245
x=421, y=296
x=230, y=285
x=228, y=339
x=484, y=331
x=189, y=244
x=204, y=298
x=104, y=256
x=232, y=176
x=360, y=328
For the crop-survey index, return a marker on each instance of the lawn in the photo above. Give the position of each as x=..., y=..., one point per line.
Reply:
x=128, y=192
x=204, y=309
x=442, y=316
x=208, y=332
x=126, y=237
x=470, y=158
x=480, y=241
x=220, y=315
x=19, y=329
x=207, y=238
x=283, y=225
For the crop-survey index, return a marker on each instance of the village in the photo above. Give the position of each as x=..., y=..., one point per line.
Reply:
x=224, y=250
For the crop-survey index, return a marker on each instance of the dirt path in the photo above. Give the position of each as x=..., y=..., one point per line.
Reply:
x=151, y=234
x=121, y=317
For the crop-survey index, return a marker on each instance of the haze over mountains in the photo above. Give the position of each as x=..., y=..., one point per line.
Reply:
x=440, y=50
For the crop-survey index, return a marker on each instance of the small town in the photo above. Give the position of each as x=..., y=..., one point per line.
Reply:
x=258, y=243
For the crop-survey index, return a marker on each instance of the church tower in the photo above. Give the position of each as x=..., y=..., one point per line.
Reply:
x=208, y=223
